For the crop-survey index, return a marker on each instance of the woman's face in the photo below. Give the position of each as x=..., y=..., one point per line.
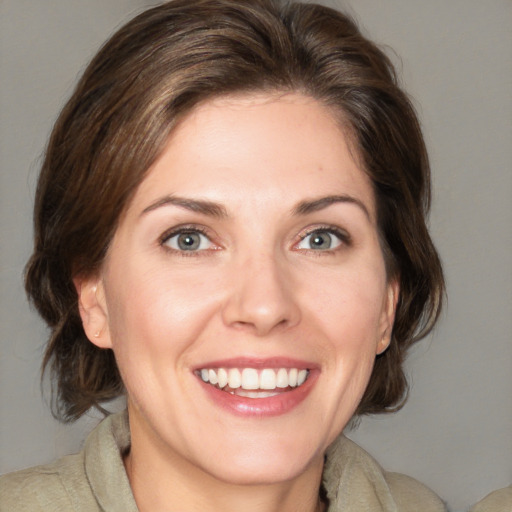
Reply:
x=245, y=293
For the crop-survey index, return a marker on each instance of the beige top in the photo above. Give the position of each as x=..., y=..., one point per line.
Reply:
x=497, y=501
x=95, y=480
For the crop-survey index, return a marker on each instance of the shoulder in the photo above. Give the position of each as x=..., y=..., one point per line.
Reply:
x=497, y=501
x=353, y=478
x=39, y=488
x=408, y=494
x=89, y=481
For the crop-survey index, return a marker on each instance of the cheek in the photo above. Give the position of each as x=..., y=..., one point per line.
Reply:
x=349, y=305
x=349, y=312
x=156, y=311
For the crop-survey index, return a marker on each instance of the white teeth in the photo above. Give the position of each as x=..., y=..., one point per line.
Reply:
x=254, y=394
x=212, y=377
x=268, y=379
x=292, y=377
x=282, y=378
x=223, y=377
x=234, y=378
x=250, y=379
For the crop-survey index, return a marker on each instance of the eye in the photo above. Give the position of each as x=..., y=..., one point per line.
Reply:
x=322, y=240
x=188, y=241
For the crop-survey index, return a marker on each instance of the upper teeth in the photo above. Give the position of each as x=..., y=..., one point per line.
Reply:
x=251, y=379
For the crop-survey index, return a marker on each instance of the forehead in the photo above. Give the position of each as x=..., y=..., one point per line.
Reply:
x=241, y=148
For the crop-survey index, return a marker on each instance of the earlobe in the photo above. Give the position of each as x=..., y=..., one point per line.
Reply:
x=93, y=310
x=388, y=316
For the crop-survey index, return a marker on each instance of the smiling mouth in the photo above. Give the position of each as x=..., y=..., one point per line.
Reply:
x=253, y=383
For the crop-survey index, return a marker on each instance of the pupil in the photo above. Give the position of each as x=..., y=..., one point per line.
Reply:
x=188, y=241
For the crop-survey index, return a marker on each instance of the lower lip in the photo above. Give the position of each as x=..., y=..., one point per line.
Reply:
x=270, y=406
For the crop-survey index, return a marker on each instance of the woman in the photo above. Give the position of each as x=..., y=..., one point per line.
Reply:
x=230, y=230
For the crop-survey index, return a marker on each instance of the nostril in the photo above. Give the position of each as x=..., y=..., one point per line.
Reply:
x=260, y=327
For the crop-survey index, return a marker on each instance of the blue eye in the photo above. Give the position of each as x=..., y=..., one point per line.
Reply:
x=320, y=240
x=188, y=241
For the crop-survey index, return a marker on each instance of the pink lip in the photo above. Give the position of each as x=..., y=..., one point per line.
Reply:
x=258, y=363
x=276, y=405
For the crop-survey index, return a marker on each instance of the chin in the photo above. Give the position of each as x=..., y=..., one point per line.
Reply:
x=262, y=462
x=262, y=472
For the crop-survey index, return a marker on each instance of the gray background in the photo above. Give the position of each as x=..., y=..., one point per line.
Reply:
x=456, y=61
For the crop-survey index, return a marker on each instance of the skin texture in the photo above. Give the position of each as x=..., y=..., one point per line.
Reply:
x=255, y=288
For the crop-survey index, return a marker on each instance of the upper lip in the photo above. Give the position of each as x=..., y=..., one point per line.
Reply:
x=258, y=363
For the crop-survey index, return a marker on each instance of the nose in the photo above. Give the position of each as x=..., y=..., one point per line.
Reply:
x=262, y=297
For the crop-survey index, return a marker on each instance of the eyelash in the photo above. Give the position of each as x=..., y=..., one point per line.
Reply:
x=344, y=238
x=182, y=230
x=342, y=235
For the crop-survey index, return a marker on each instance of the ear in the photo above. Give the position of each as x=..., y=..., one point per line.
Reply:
x=93, y=309
x=388, y=315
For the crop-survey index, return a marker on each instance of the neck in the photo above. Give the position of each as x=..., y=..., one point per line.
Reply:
x=193, y=496
x=164, y=482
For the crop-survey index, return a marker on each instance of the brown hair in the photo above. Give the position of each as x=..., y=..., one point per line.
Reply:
x=152, y=72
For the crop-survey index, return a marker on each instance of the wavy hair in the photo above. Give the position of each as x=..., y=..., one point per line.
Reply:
x=151, y=73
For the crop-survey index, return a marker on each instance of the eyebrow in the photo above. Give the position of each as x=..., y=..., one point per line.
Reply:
x=315, y=205
x=212, y=209
x=208, y=208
